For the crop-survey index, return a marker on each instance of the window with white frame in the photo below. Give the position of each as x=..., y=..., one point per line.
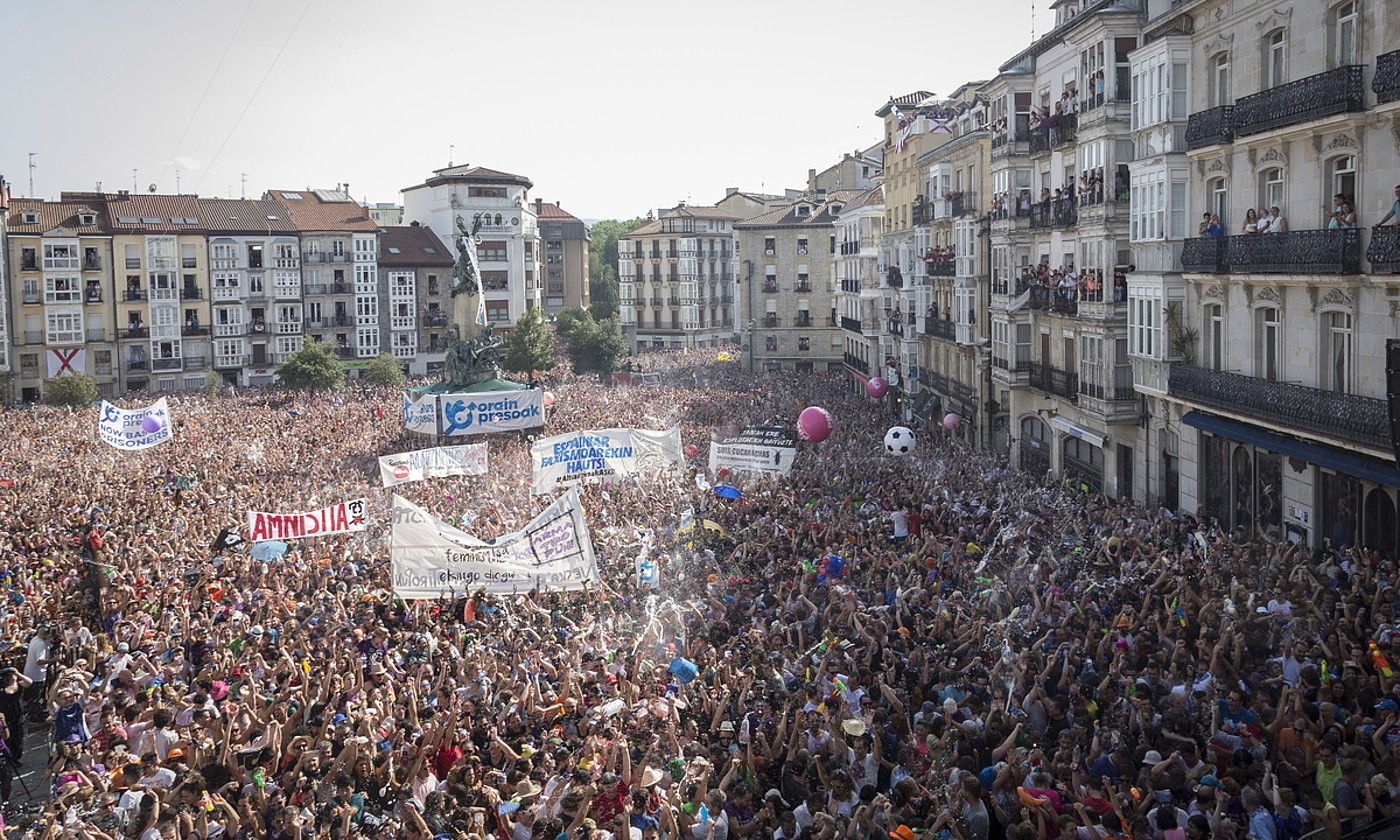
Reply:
x=1344, y=24
x=286, y=344
x=1176, y=209
x=1213, y=337
x=63, y=290
x=1218, y=199
x=1145, y=323
x=1148, y=207
x=1266, y=343
x=366, y=306
x=1218, y=80
x=64, y=327
x=289, y=314
x=1276, y=58
x=1336, y=352
x=1342, y=175
x=1023, y=346
x=367, y=341
x=228, y=315
x=286, y=283
x=1091, y=157
x=1091, y=369
x=1001, y=343
x=1271, y=188
x=228, y=348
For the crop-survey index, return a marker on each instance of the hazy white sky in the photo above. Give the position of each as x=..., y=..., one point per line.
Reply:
x=610, y=107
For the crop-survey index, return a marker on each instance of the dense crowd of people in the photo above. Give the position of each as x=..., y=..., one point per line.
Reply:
x=992, y=657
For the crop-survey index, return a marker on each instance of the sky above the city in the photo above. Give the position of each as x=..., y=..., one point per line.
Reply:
x=611, y=108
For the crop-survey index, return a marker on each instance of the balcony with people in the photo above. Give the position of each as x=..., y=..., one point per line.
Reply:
x=1055, y=210
x=1266, y=245
x=940, y=325
x=1011, y=138
x=940, y=262
x=1070, y=291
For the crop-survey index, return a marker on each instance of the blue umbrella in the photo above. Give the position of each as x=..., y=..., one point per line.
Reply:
x=727, y=491
x=268, y=550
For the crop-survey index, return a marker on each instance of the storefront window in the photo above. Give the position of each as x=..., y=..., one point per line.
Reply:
x=1215, y=478
x=1083, y=464
x=1035, y=446
x=1242, y=469
x=1379, y=526
x=1337, y=497
x=1268, y=498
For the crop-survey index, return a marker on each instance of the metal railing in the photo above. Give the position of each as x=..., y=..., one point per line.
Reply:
x=1386, y=82
x=1335, y=91
x=1348, y=417
x=1384, y=251
x=1052, y=380
x=1205, y=255
x=166, y=364
x=856, y=363
x=940, y=328
x=1297, y=252
x=1209, y=127
x=850, y=324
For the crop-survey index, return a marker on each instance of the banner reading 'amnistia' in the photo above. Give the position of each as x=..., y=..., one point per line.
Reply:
x=564, y=460
x=429, y=558
x=339, y=518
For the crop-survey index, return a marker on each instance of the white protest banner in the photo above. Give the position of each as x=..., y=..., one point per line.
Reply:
x=491, y=411
x=759, y=449
x=429, y=558
x=137, y=428
x=468, y=459
x=563, y=460
x=339, y=518
x=420, y=413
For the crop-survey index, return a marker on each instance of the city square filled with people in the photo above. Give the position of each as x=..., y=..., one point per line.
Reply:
x=932, y=645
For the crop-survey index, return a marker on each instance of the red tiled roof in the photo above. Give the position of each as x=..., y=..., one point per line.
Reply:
x=245, y=216
x=908, y=100
x=472, y=173
x=309, y=213
x=131, y=213
x=53, y=214
x=412, y=245
x=547, y=210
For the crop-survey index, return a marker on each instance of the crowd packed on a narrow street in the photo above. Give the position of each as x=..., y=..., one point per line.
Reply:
x=993, y=656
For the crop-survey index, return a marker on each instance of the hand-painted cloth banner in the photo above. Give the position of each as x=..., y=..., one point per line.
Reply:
x=340, y=518
x=491, y=411
x=564, y=460
x=759, y=449
x=429, y=558
x=137, y=428
x=469, y=459
x=420, y=413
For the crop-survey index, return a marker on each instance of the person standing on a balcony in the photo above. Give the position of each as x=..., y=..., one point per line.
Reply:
x=1214, y=229
x=1272, y=223
x=1250, y=223
x=1394, y=213
x=1341, y=215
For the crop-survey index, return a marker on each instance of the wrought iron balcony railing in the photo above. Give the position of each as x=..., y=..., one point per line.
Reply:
x=1384, y=251
x=856, y=363
x=940, y=328
x=1386, y=83
x=1345, y=416
x=940, y=267
x=1297, y=252
x=1322, y=95
x=1205, y=255
x=850, y=324
x=1052, y=380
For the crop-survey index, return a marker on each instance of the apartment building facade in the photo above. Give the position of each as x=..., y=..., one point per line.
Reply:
x=1263, y=359
x=1060, y=145
x=59, y=256
x=676, y=278
x=417, y=273
x=949, y=280
x=508, y=236
x=254, y=268
x=5, y=369
x=860, y=227
x=340, y=297
x=564, y=239
x=788, y=302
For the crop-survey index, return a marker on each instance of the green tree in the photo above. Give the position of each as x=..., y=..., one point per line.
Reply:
x=383, y=369
x=71, y=389
x=314, y=367
x=566, y=319
x=530, y=345
x=602, y=264
x=597, y=346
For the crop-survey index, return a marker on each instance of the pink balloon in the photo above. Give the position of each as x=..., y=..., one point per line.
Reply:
x=548, y=400
x=691, y=450
x=876, y=387
x=951, y=421
x=814, y=424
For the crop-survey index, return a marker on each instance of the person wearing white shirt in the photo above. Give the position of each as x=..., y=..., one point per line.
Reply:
x=900, y=520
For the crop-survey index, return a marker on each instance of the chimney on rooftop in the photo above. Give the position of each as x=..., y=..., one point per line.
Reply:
x=728, y=191
x=680, y=204
x=539, y=206
x=811, y=174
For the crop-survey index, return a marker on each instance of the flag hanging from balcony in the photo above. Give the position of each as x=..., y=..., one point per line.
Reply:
x=902, y=128
x=940, y=125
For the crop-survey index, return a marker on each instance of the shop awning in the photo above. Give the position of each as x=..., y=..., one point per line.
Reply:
x=1349, y=463
x=1077, y=431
